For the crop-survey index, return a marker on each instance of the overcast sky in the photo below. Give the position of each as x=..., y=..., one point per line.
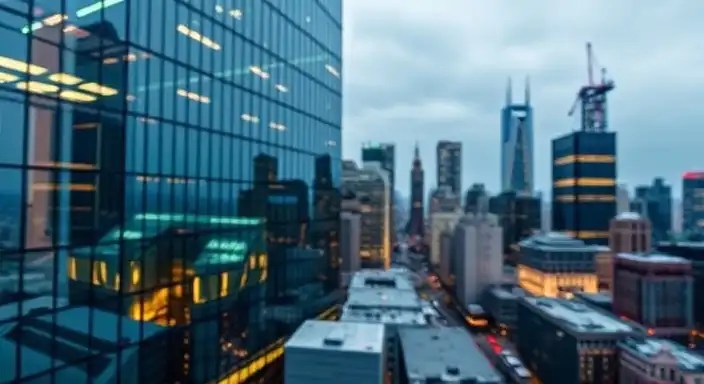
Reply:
x=420, y=70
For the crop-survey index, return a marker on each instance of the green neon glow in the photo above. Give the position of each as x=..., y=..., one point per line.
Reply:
x=223, y=252
x=220, y=258
x=97, y=6
x=198, y=219
x=226, y=245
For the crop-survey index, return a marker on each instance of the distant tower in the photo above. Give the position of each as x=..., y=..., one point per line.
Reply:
x=416, y=224
x=517, y=143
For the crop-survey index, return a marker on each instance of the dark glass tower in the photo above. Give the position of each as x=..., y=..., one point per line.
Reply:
x=169, y=177
x=517, y=156
x=693, y=203
x=584, y=184
x=416, y=222
x=655, y=202
x=520, y=217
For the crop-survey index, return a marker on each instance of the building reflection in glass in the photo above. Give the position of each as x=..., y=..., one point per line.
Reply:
x=169, y=179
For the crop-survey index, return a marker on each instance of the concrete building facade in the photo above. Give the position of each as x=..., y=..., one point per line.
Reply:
x=568, y=342
x=655, y=291
x=659, y=361
x=322, y=352
x=477, y=255
x=553, y=264
x=440, y=223
x=350, y=238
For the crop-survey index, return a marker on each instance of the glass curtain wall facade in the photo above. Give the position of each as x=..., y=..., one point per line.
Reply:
x=169, y=185
x=584, y=185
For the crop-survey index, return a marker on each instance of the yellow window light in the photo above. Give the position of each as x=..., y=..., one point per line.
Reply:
x=77, y=96
x=236, y=13
x=65, y=78
x=37, y=87
x=198, y=37
x=55, y=19
x=98, y=89
x=21, y=66
x=6, y=77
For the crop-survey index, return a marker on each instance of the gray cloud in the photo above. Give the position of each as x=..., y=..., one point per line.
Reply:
x=423, y=71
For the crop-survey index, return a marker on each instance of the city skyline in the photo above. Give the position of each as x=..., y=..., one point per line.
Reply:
x=394, y=82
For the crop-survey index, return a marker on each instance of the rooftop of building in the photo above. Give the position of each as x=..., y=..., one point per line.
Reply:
x=685, y=244
x=628, y=216
x=578, y=317
x=382, y=305
x=656, y=258
x=339, y=336
x=395, y=279
x=648, y=348
x=504, y=293
x=68, y=336
x=558, y=242
x=601, y=298
x=383, y=298
x=444, y=353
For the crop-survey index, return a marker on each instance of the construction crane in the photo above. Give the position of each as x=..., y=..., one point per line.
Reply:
x=592, y=97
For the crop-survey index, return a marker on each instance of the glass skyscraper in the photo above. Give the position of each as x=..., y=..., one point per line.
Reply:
x=169, y=174
x=517, y=156
x=584, y=185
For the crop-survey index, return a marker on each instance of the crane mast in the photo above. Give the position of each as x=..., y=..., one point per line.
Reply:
x=592, y=98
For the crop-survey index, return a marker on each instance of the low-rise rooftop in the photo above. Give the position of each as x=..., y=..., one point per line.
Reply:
x=339, y=336
x=557, y=241
x=383, y=299
x=648, y=348
x=653, y=258
x=628, y=216
x=685, y=244
x=601, y=298
x=577, y=317
x=445, y=353
x=380, y=279
x=507, y=294
x=383, y=306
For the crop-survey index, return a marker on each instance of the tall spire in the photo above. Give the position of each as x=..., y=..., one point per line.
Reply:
x=417, y=152
x=527, y=96
x=508, y=92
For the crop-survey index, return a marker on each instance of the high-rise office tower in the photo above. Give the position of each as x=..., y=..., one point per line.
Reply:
x=655, y=202
x=517, y=171
x=166, y=183
x=476, y=199
x=477, y=260
x=519, y=216
x=584, y=184
x=693, y=203
x=623, y=199
x=370, y=184
x=416, y=222
x=350, y=237
x=385, y=155
x=449, y=162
